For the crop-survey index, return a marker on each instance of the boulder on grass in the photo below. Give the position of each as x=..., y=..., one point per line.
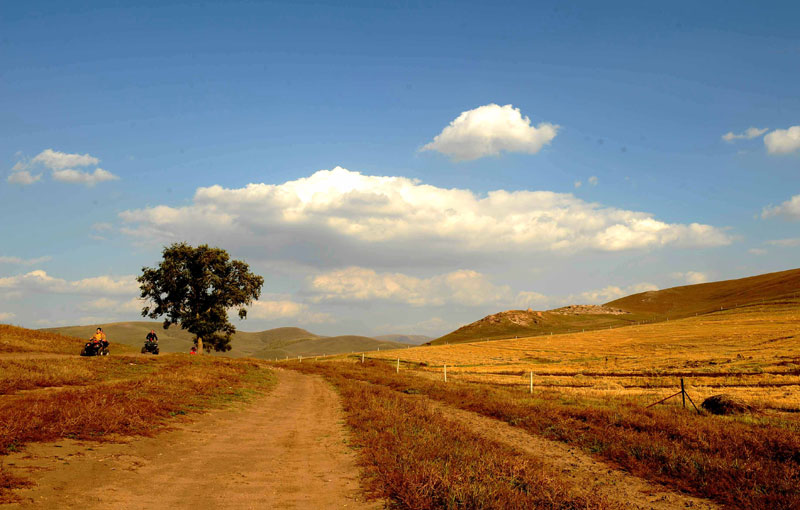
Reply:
x=725, y=405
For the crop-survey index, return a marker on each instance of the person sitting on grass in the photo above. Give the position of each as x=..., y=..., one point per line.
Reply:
x=194, y=350
x=152, y=337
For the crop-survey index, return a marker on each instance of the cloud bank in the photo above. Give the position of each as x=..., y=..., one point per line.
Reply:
x=337, y=207
x=489, y=130
x=40, y=281
x=284, y=308
x=463, y=287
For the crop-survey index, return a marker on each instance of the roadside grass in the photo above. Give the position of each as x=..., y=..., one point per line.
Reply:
x=20, y=340
x=418, y=459
x=26, y=374
x=741, y=463
x=14, y=339
x=109, y=397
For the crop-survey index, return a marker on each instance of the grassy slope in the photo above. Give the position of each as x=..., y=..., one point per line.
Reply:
x=20, y=340
x=651, y=306
x=326, y=345
x=272, y=343
x=546, y=323
x=708, y=297
x=759, y=335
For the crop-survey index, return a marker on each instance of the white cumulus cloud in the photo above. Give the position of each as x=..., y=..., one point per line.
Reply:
x=23, y=178
x=81, y=177
x=748, y=134
x=40, y=281
x=489, y=130
x=789, y=210
x=609, y=293
x=463, y=287
x=63, y=167
x=783, y=141
x=691, y=277
x=283, y=308
x=7, y=316
x=55, y=160
x=340, y=207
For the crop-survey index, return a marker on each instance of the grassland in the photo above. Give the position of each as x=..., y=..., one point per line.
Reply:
x=750, y=351
x=418, y=459
x=591, y=390
x=740, y=462
x=45, y=395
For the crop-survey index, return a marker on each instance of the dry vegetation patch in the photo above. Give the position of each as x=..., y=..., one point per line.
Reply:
x=741, y=463
x=419, y=459
x=108, y=397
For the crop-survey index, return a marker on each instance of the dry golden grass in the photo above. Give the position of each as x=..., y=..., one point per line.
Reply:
x=743, y=462
x=49, y=398
x=751, y=352
x=14, y=339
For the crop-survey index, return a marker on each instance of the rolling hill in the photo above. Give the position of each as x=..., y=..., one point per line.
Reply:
x=271, y=343
x=652, y=306
x=708, y=297
x=525, y=323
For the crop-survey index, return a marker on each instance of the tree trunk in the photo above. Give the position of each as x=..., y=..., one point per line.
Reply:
x=199, y=345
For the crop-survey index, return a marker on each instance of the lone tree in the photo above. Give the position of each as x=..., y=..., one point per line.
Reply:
x=196, y=287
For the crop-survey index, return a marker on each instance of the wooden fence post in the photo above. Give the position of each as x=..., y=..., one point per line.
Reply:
x=445, y=372
x=362, y=357
x=531, y=383
x=683, y=394
x=398, y=366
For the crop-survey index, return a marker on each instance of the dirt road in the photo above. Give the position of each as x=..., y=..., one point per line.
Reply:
x=285, y=450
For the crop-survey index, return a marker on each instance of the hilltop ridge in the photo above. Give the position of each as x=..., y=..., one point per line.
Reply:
x=658, y=305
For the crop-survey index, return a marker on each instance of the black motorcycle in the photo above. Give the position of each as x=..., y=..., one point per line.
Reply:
x=94, y=349
x=151, y=347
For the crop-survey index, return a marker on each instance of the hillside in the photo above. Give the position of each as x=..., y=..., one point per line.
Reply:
x=708, y=297
x=271, y=343
x=672, y=303
x=405, y=339
x=523, y=323
x=325, y=345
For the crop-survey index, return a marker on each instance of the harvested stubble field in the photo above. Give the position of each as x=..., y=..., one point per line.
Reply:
x=751, y=352
x=102, y=398
x=591, y=391
x=739, y=462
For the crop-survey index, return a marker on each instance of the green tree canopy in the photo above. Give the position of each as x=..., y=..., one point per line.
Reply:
x=196, y=287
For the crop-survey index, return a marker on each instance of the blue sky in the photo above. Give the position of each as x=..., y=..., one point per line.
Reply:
x=171, y=97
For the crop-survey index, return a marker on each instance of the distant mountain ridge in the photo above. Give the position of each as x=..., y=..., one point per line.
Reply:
x=268, y=344
x=406, y=339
